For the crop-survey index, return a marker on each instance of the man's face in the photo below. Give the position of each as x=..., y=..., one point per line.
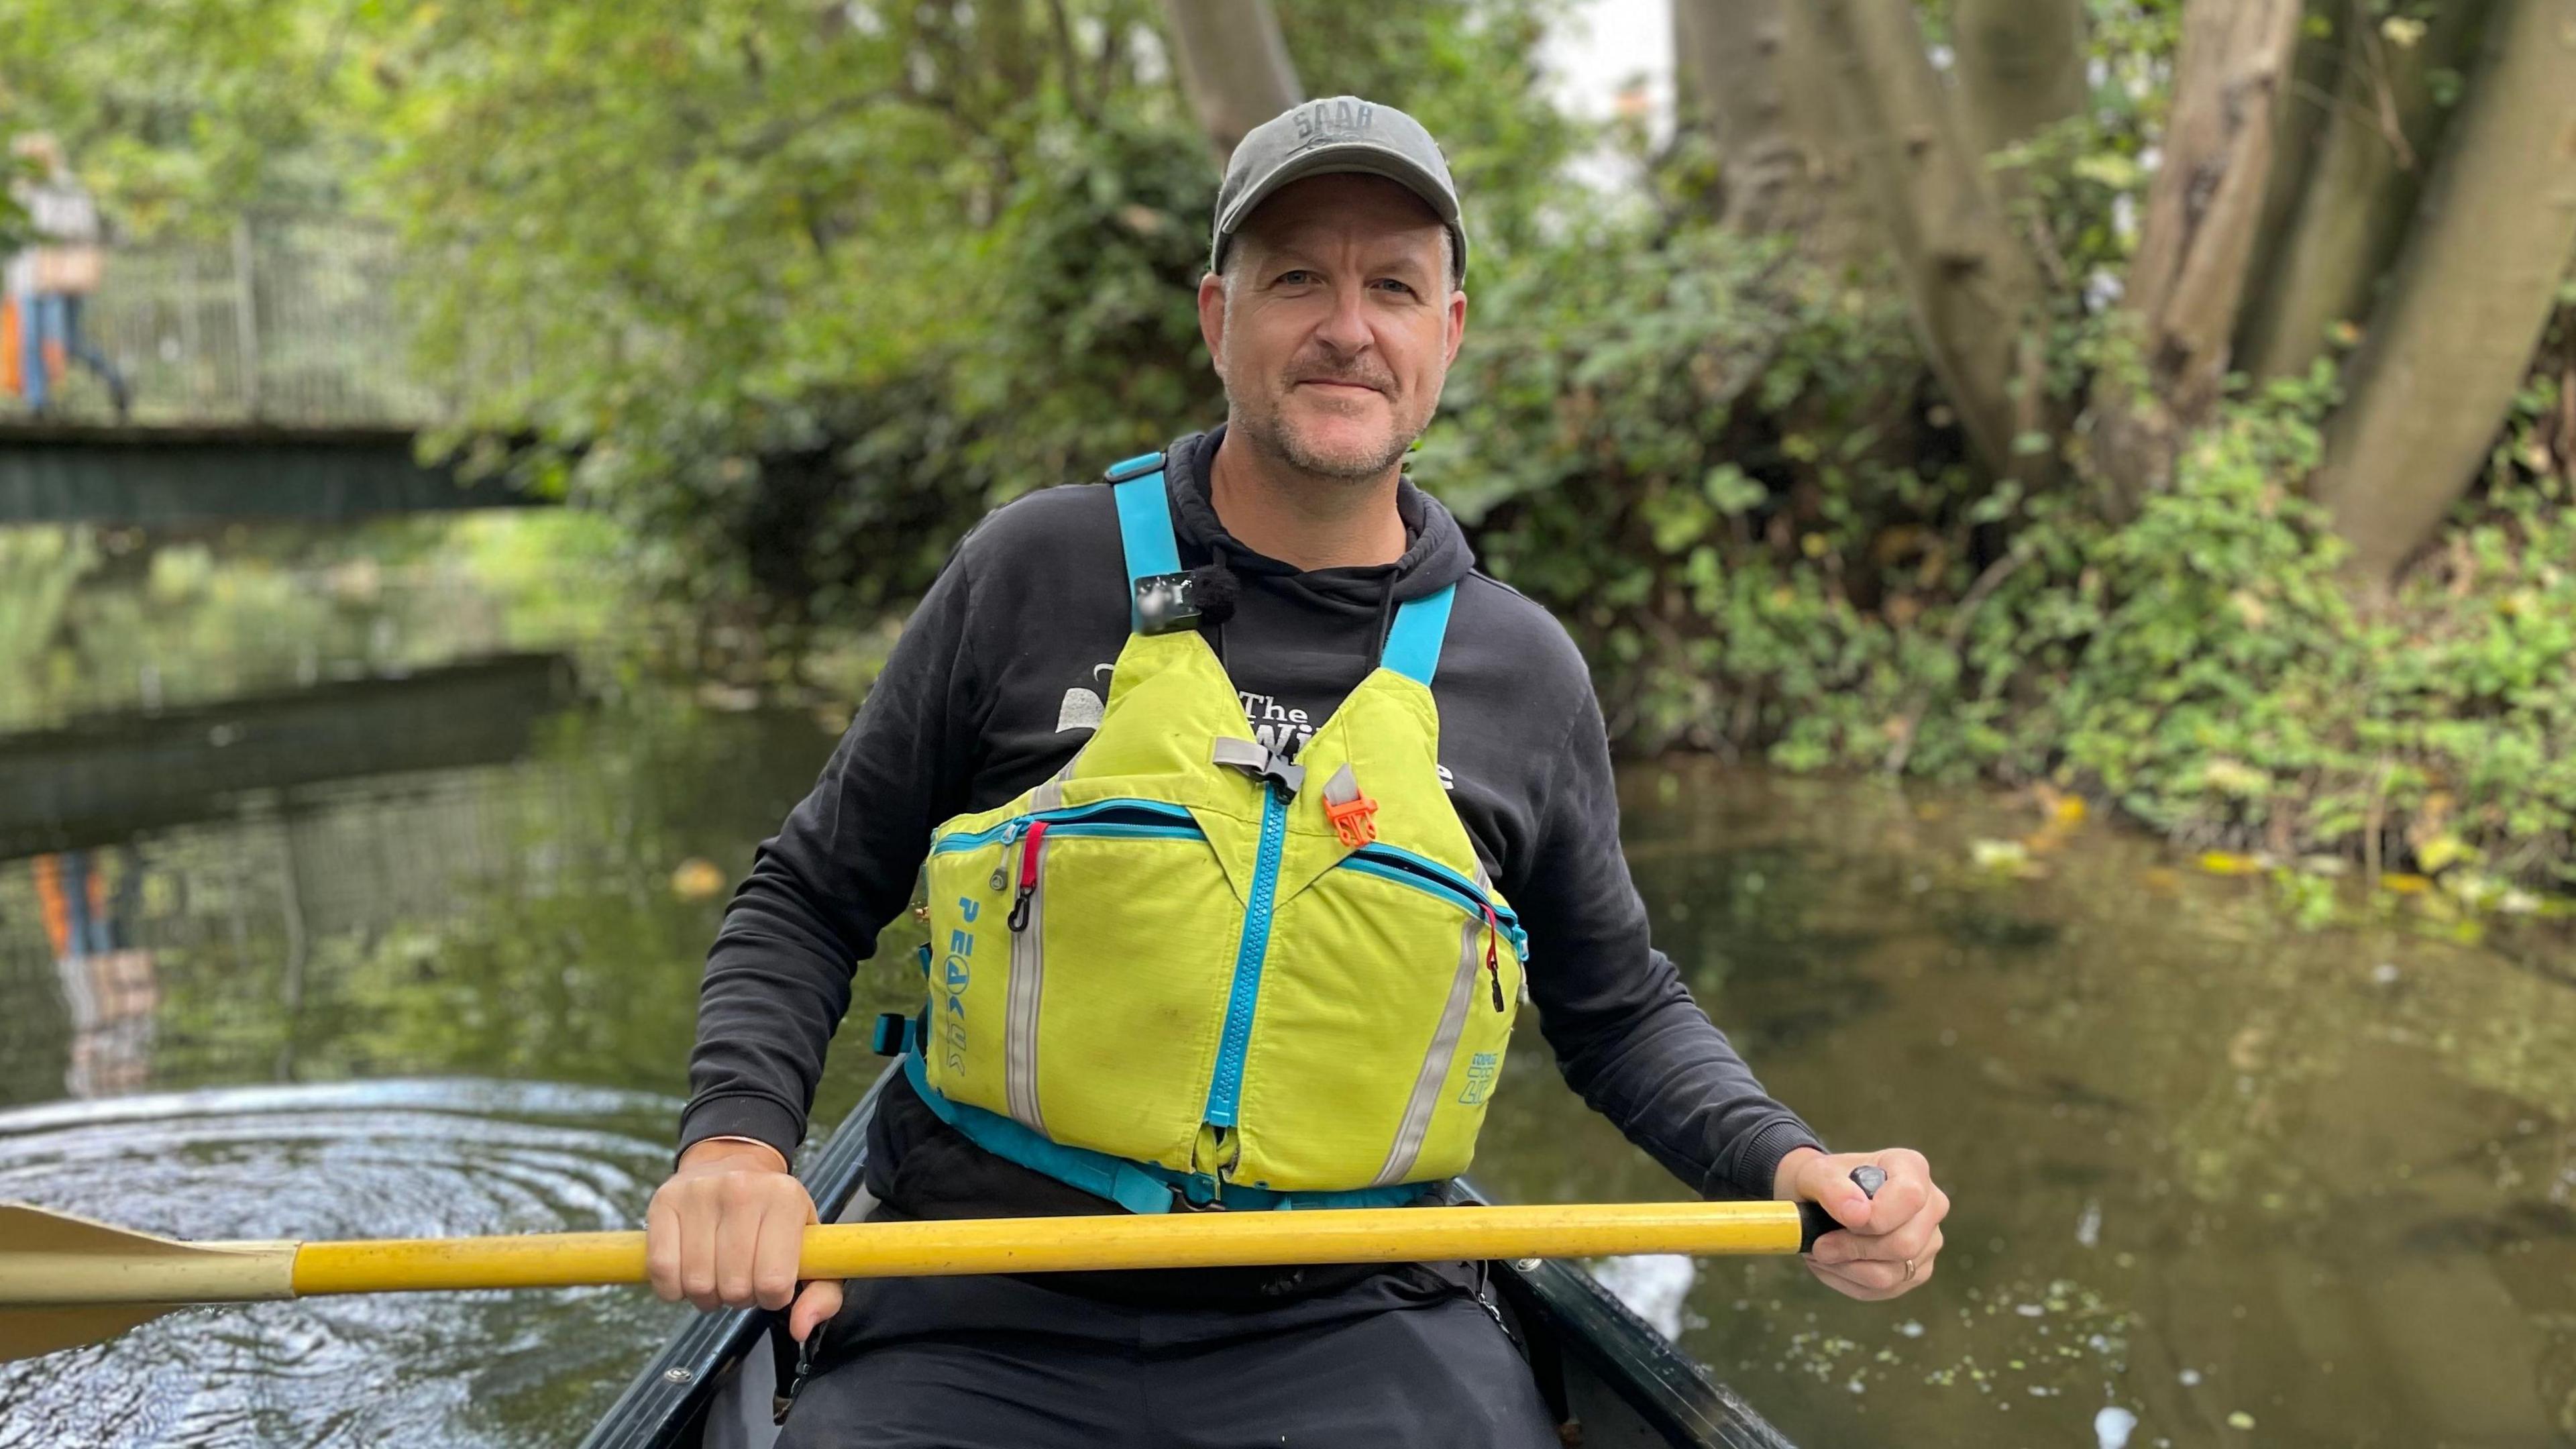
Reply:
x=1339, y=324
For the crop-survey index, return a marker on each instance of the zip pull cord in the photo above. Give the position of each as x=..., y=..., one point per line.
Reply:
x=1028, y=876
x=1493, y=957
x=1002, y=868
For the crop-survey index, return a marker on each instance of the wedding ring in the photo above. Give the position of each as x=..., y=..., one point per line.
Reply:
x=1909, y=1271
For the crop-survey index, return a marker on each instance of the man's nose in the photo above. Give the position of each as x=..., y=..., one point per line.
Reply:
x=1345, y=329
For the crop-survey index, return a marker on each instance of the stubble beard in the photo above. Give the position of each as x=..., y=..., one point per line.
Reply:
x=1266, y=428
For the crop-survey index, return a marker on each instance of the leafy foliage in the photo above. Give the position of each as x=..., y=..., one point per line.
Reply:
x=795, y=291
x=799, y=291
x=1723, y=474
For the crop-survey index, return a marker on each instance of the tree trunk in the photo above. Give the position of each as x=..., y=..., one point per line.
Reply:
x=1745, y=75
x=2204, y=208
x=2380, y=138
x=2315, y=73
x=2021, y=68
x=2467, y=301
x=1234, y=66
x=1729, y=64
x=1975, y=289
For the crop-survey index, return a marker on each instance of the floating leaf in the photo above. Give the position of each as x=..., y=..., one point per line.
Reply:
x=2233, y=777
x=696, y=879
x=2442, y=852
x=2002, y=855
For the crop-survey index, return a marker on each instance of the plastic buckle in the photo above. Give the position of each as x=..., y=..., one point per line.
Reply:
x=1354, y=820
x=1200, y=1192
x=1136, y=467
x=888, y=1037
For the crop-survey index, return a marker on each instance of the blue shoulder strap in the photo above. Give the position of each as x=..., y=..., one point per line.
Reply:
x=1413, y=641
x=1145, y=532
x=1144, y=525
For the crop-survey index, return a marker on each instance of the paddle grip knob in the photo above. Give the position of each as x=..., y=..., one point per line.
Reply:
x=1814, y=1222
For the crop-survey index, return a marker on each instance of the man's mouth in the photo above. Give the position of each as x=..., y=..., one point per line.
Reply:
x=1339, y=384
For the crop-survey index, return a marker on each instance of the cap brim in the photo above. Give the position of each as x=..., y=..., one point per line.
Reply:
x=1345, y=158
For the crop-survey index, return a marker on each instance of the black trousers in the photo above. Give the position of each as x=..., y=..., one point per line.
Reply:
x=1405, y=1360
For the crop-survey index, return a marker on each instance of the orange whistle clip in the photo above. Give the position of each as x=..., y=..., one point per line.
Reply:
x=1354, y=820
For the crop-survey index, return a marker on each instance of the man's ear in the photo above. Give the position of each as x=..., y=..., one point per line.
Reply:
x=1212, y=319
x=1457, y=322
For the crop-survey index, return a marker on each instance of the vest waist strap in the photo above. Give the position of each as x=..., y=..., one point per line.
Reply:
x=1139, y=1187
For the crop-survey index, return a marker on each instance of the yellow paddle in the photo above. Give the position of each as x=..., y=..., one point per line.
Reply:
x=67, y=1281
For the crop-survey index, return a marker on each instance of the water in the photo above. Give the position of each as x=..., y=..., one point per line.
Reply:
x=2217, y=1181
x=428, y=1158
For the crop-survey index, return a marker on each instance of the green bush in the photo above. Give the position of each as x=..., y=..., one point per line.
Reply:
x=1726, y=476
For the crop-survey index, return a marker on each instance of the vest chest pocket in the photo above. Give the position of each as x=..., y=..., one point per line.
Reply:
x=1392, y=987
x=1051, y=995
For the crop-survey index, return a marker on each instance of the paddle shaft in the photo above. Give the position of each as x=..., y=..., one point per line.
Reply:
x=1052, y=1245
x=165, y=1272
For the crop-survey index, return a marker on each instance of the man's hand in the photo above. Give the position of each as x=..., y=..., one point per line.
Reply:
x=726, y=1231
x=1888, y=1243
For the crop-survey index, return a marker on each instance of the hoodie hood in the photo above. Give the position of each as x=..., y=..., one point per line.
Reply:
x=1436, y=554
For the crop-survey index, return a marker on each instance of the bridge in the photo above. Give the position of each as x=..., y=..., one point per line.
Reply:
x=273, y=375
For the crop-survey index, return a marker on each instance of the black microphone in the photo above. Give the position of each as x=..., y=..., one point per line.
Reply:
x=1214, y=589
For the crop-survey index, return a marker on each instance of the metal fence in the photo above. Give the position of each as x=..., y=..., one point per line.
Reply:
x=289, y=320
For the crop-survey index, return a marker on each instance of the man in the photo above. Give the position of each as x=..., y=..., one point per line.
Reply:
x=1268, y=903
x=51, y=282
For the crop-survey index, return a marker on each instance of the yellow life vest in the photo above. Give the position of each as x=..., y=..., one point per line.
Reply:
x=1188, y=965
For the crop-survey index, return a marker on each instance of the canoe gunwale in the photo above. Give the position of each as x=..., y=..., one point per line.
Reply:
x=663, y=1405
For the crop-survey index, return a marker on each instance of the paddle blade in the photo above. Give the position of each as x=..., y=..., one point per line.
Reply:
x=66, y=1281
x=29, y=1332
x=26, y=1229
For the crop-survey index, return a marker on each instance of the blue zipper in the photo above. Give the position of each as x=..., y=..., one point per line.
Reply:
x=1403, y=867
x=1174, y=821
x=1225, y=1090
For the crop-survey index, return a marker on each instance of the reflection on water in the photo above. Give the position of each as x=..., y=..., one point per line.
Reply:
x=109, y=990
x=2209, y=1171
x=359, y=1160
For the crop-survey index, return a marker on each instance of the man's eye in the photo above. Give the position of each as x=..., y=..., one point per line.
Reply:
x=1295, y=278
x=1390, y=282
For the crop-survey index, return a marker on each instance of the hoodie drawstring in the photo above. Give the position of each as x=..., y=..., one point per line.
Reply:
x=1385, y=615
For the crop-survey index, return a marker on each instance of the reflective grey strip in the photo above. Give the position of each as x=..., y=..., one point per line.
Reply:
x=1435, y=1063
x=1242, y=754
x=1028, y=981
x=1343, y=788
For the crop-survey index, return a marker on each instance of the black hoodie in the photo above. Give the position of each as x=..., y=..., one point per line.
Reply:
x=996, y=681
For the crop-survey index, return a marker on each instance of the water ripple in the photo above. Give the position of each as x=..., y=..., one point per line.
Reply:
x=377, y=1159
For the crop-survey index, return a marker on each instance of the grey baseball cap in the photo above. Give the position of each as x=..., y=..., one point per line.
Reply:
x=1339, y=134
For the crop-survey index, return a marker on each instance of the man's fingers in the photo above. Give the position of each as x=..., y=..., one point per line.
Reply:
x=738, y=1242
x=699, y=1220
x=814, y=1307
x=662, y=1248
x=773, y=1268
x=1907, y=1191
x=1871, y=1280
x=1827, y=1181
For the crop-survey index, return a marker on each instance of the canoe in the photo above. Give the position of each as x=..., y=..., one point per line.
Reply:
x=1609, y=1371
